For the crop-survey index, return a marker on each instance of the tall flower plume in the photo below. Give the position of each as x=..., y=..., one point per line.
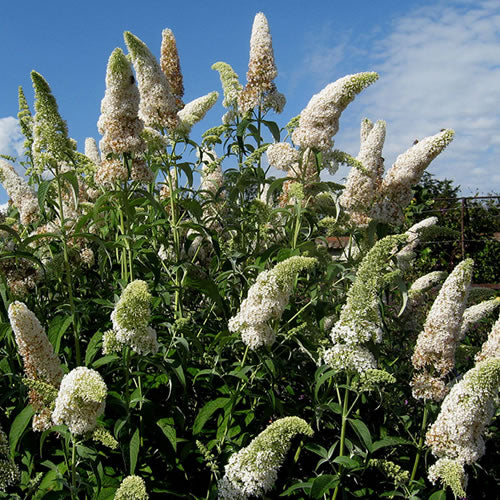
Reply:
x=157, y=107
x=195, y=111
x=395, y=192
x=261, y=70
x=456, y=437
x=41, y=364
x=474, y=314
x=171, y=66
x=434, y=354
x=491, y=348
x=231, y=88
x=319, y=121
x=51, y=143
x=80, y=401
x=25, y=121
x=130, y=318
x=266, y=300
x=253, y=470
x=362, y=184
x=119, y=122
x=23, y=196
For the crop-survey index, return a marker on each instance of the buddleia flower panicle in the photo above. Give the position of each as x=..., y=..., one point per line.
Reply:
x=407, y=253
x=92, y=151
x=319, y=121
x=395, y=192
x=195, y=111
x=434, y=354
x=132, y=488
x=171, y=66
x=253, y=471
x=119, y=122
x=231, y=88
x=25, y=121
x=23, y=196
x=266, y=300
x=131, y=316
x=101, y=435
x=450, y=473
x=491, y=348
x=9, y=473
x=474, y=314
x=212, y=177
x=362, y=185
x=40, y=361
x=426, y=282
x=283, y=156
x=51, y=143
x=457, y=433
x=158, y=106
x=80, y=401
x=261, y=71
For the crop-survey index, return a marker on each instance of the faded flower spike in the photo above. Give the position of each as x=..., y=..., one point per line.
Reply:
x=266, y=300
x=119, y=122
x=171, y=66
x=261, y=69
x=51, y=143
x=80, y=401
x=253, y=470
x=158, y=106
x=131, y=317
x=435, y=349
x=319, y=121
x=195, y=111
x=22, y=195
x=132, y=488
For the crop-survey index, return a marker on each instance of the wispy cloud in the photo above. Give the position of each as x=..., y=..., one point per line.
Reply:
x=439, y=68
x=11, y=138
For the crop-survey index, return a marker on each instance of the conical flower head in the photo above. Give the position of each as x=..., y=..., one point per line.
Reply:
x=195, y=111
x=395, y=192
x=491, y=348
x=119, y=122
x=80, y=401
x=254, y=469
x=319, y=121
x=158, y=105
x=51, y=143
x=261, y=66
x=25, y=121
x=475, y=313
x=230, y=83
x=132, y=488
x=22, y=194
x=171, y=66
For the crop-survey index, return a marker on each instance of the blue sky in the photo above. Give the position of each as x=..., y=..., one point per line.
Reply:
x=439, y=65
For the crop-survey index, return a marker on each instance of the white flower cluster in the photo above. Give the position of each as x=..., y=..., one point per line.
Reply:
x=362, y=185
x=319, y=121
x=283, y=157
x=22, y=195
x=266, y=300
x=158, y=106
x=350, y=357
x=91, y=151
x=80, y=401
x=426, y=282
x=132, y=488
x=395, y=192
x=171, y=66
x=465, y=413
x=212, y=178
x=491, y=348
x=474, y=314
x=231, y=88
x=254, y=469
x=118, y=123
x=195, y=111
x=451, y=473
x=435, y=348
x=261, y=70
x=40, y=361
x=131, y=316
x=407, y=253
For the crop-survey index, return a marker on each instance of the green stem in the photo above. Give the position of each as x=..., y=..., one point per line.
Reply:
x=345, y=414
x=73, y=468
x=420, y=442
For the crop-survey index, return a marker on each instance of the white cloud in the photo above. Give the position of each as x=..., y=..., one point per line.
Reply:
x=11, y=138
x=439, y=68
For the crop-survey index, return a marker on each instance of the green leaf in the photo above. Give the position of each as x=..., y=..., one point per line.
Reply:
x=92, y=347
x=273, y=128
x=207, y=411
x=387, y=441
x=322, y=485
x=134, y=446
x=438, y=495
x=298, y=486
x=71, y=177
x=43, y=189
x=169, y=430
x=18, y=427
x=363, y=433
x=57, y=329
x=404, y=294
x=347, y=462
